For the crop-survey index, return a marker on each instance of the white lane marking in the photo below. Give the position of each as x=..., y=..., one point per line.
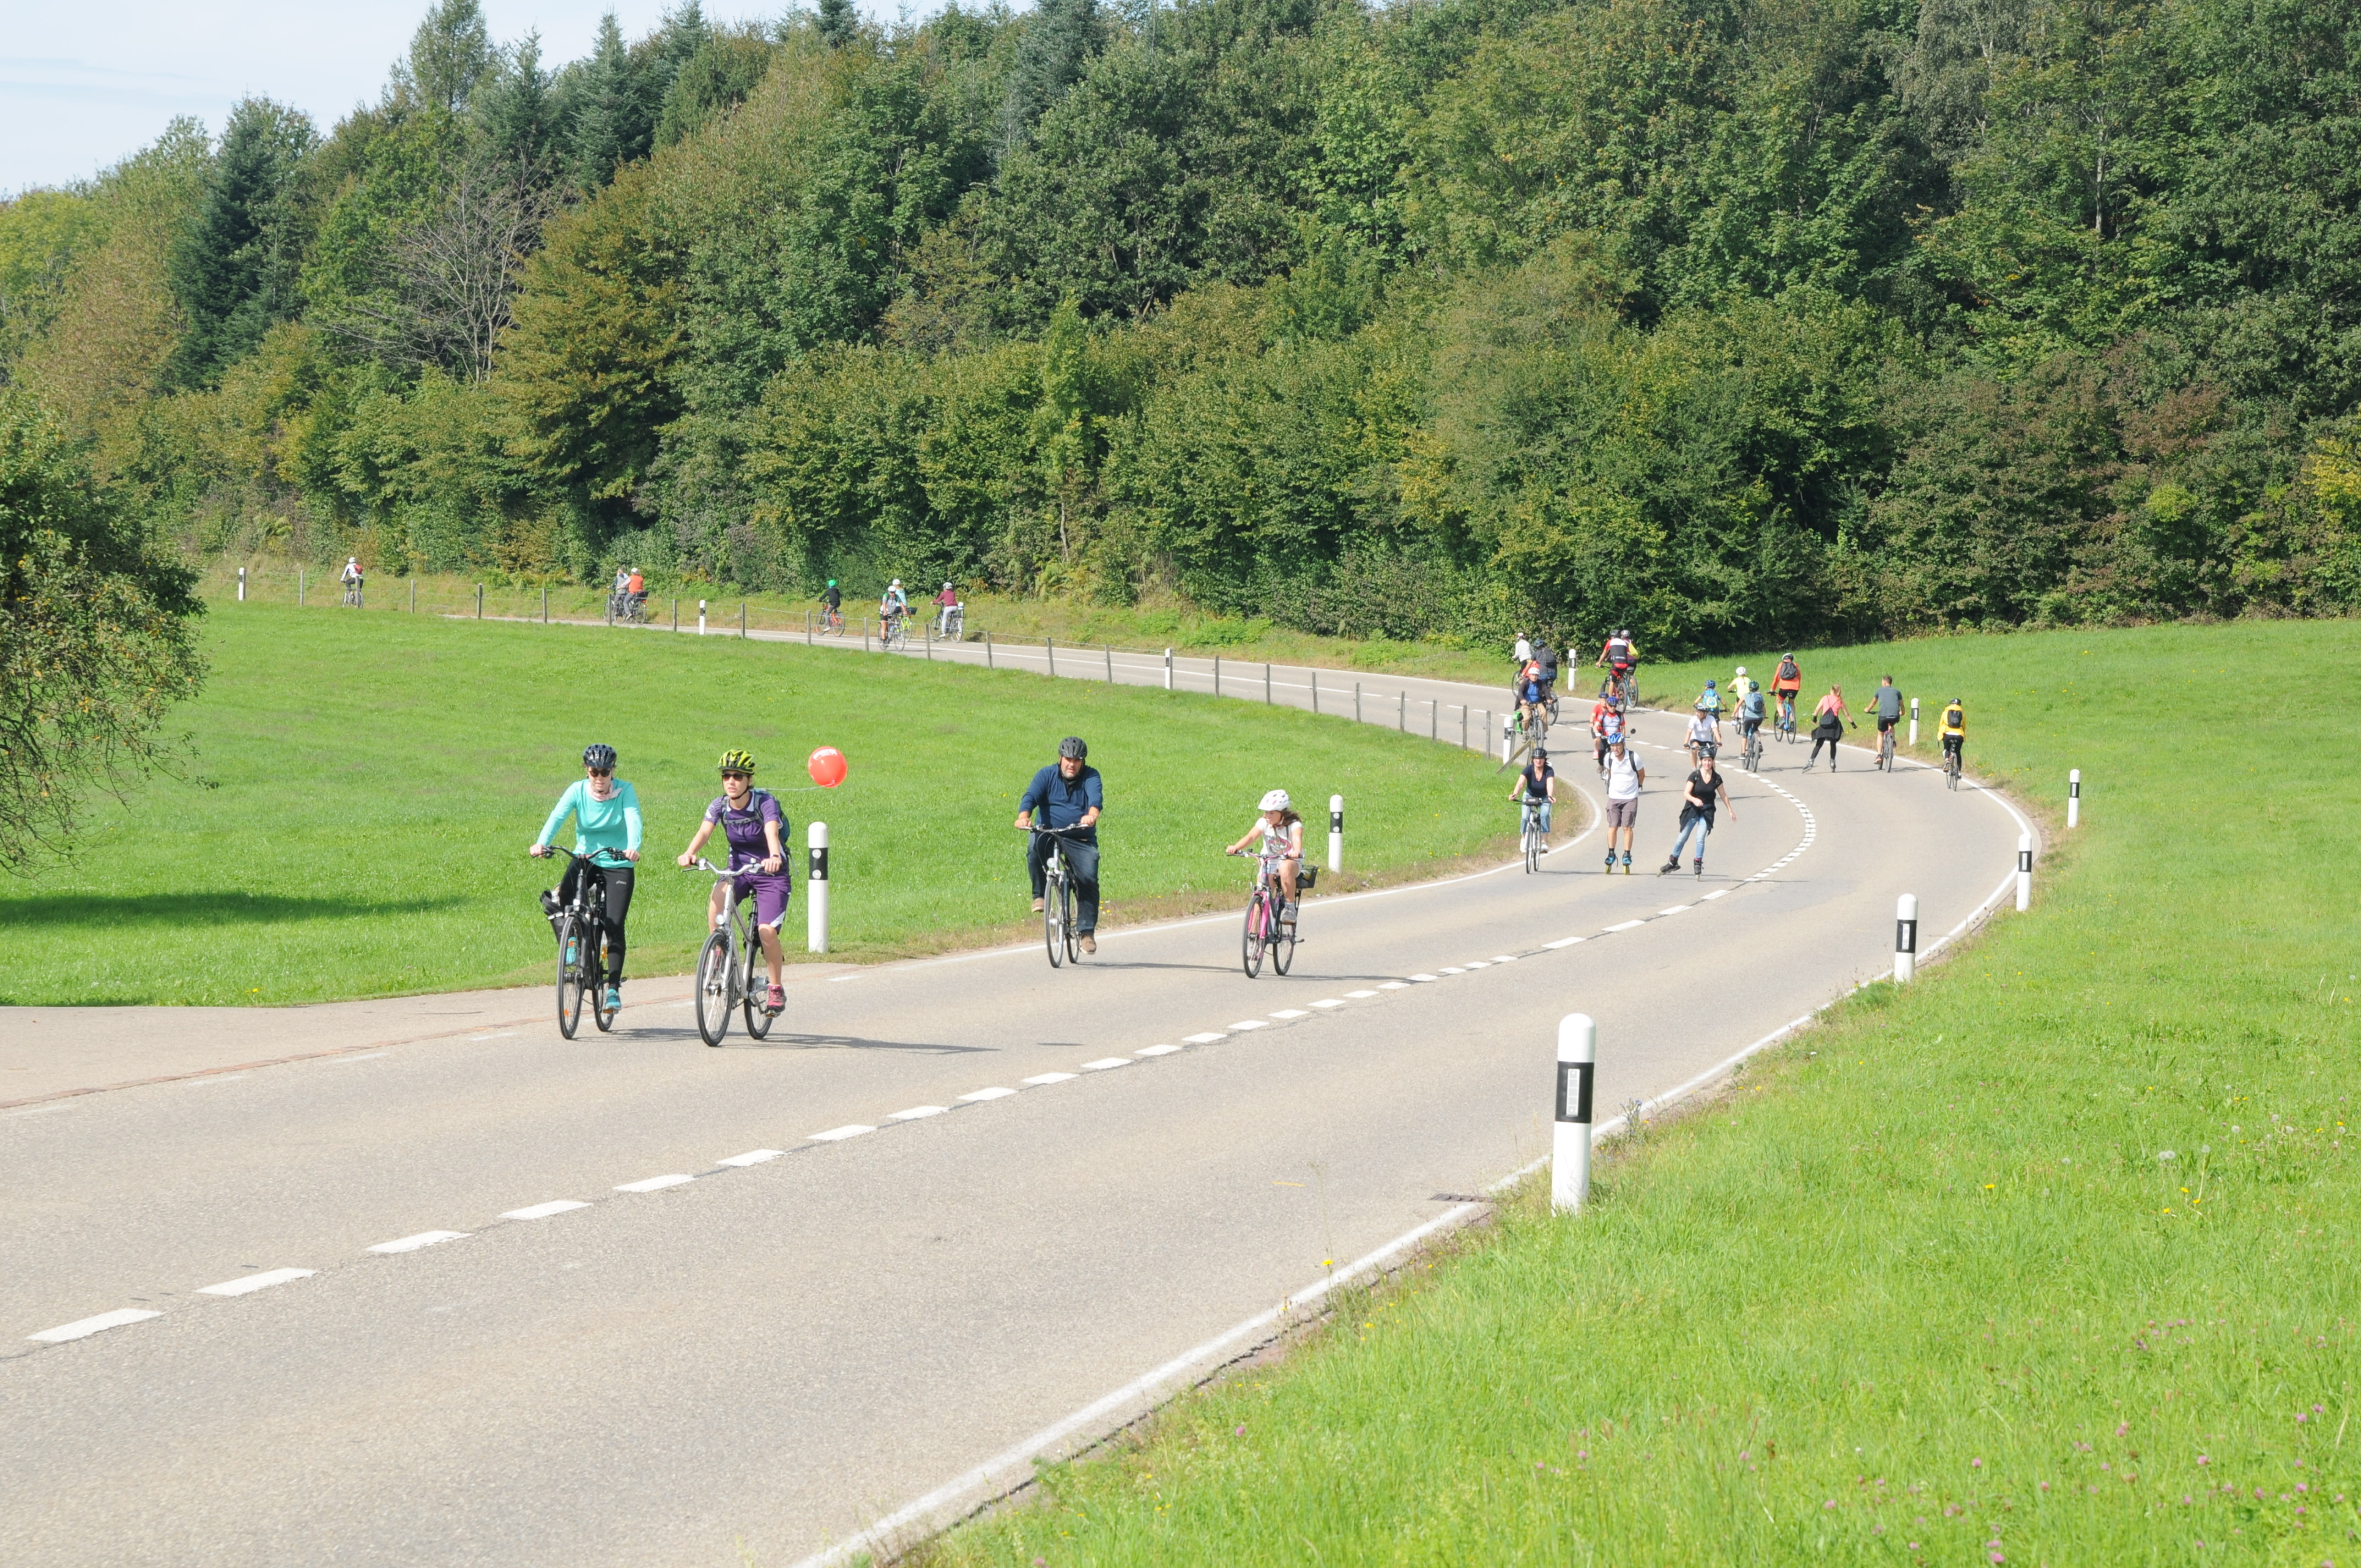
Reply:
x=1049, y=1078
x=1155, y=1050
x=1202, y=1039
x=365, y=1056
x=262, y=1281
x=655, y=1183
x=1447, y=968
x=1628, y=926
x=503, y=1035
x=837, y=1134
x=1397, y=984
x=215, y=1078
x=840, y=979
x=1330, y=1001
x=543, y=1210
x=751, y=1157
x=1290, y=1013
x=423, y=1238
x=917, y=1113
x=1478, y=963
x=981, y=1095
x=1249, y=1024
x=1677, y=909
x=1564, y=942
x=1505, y=958
x=1105, y=1063
x=1360, y=996
x=1421, y=978
x=1717, y=892
x=82, y=1327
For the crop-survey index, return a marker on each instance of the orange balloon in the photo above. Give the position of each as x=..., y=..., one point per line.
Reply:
x=827, y=767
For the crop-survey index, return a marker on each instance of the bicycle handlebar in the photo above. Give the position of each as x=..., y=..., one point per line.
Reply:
x=1053, y=832
x=560, y=850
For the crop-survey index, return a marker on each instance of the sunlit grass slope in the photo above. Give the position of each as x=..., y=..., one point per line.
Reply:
x=2047, y=1260
x=364, y=787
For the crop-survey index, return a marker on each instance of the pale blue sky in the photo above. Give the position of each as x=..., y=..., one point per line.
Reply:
x=85, y=83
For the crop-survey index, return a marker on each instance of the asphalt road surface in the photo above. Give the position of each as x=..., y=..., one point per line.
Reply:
x=654, y=1303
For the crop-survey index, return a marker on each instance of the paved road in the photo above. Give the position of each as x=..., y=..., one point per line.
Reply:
x=793, y=1286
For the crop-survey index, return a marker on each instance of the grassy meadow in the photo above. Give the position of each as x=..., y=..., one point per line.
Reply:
x=2048, y=1258
x=363, y=789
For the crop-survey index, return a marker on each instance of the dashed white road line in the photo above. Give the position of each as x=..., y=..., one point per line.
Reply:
x=1628, y=926
x=1204, y=1040
x=751, y=1157
x=1156, y=1050
x=1290, y=1013
x=365, y=1056
x=655, y=1183
x=252, y=1282
x=1359, y=995
x=837, y=1134
x=1564, y=942
x=981, y=1095
x=1330, y=1001
x=543, y=1210
x=1047, y=1078
x=1106, y=1063
x=422, y=1239
x=1249, y=1023
x=84, y=1327
x=917, y=1113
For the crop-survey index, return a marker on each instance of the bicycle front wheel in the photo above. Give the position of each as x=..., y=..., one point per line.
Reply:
x=756, y=988
x=1074, y=936
x=713, y=989
x=1532, y=849
x=1053, y=934
x=1257, y=935
x=595, y=981
x=569, y=978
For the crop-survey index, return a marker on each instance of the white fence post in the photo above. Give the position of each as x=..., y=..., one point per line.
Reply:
x=815, y=889
x=2074, y=798
x=1336, y=833
x=1577, y=1055
x=1906, y=938
x=2024, y=871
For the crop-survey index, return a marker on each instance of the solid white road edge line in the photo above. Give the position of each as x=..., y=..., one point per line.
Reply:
x=935, y=1510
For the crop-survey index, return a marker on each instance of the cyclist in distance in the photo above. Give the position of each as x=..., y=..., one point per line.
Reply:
x=606, y=813
x=352, y=580
x=1530, y=698
x=1625, y=774
x=636, y=588
x=1710, y=702
x=1606, y=727
x=1955, y=732
x=1067, y=794
x=753, y=826
x=1704, y=737
x=1537, y=786
x=1750, y=712
x=1786, y=685
x=1619, y=656
x=1281, y=829
x=1886, y=702
x=1828, y=723
x=1547, y=656
x=945, y=602
x=1523, y=653
x=892, y=606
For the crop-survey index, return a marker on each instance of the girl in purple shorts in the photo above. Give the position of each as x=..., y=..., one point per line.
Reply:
x=756, y=829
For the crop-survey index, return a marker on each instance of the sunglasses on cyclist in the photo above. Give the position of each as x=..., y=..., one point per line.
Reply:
x=602, y=773
x=733, y=773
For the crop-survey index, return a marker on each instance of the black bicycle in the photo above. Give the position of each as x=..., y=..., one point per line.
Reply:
x=584, y=953
x=729, y=970
x=1752, y=757
x=1885, y=746
x=1951, y=767
x=627, y=609
x=1057, y=931
x=1530, y=836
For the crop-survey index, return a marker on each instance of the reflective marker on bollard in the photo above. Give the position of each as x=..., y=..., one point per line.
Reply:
x=815, y=889
x=2024, y=871
x=1578, y=1052
x=2073, y=797
x=1336, y=833
x=1906, y=938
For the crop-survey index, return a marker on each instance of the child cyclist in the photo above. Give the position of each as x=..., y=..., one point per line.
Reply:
x=1281, y=832
x=754, y=828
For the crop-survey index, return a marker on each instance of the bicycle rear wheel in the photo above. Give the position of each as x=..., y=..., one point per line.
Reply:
x=1258, y=928
x=713, y=996
x=1053, y=934
x=569, y=978
x=756, y=988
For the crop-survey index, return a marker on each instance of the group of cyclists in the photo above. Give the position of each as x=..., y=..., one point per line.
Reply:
x=893, y=610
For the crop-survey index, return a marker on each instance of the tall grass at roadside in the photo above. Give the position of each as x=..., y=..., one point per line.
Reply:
x=364, y=788
x=2048, y=1258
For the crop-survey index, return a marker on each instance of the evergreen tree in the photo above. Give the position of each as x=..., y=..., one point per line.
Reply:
x=611, y=124
x=233, y=270
x=839, y=24
x=450, y=55
x=1050, y=58
x=514, y=111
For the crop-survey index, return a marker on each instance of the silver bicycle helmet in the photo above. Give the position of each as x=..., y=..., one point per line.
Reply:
x=1274, y=801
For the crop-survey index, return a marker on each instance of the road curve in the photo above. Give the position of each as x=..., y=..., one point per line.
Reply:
x=696, y=1306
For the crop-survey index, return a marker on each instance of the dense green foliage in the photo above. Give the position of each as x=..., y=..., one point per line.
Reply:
x=96, y=638
x=1731, y=318
x=2048, y=1258
x=360, y=830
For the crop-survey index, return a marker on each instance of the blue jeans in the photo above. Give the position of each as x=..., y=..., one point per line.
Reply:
x=1703, y=826
x=1541, y=810
x=1082, y=869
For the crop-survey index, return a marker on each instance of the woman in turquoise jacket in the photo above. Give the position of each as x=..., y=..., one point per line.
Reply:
x=606, y=813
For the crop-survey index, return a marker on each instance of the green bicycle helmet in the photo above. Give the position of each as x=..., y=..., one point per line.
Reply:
x=737, y=761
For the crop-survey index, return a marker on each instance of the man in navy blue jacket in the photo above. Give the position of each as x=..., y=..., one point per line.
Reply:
x=1067, y=794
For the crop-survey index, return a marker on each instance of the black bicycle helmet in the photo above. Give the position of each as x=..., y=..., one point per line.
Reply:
x=601, y=756
x=1072, y=746
x=1540, y=755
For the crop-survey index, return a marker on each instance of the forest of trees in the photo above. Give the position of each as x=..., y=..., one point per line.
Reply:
x=1731, y=319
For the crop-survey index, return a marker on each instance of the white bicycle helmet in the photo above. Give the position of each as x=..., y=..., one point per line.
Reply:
x=1274, y=801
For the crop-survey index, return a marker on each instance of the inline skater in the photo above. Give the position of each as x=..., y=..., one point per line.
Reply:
x=754, y=828
x=833, y=598
x=1828, y=723
x=1704, y=790
x=1625, y=774
x=607, y=827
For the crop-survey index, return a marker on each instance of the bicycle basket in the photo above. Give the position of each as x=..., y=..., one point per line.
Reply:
x=1305, y=875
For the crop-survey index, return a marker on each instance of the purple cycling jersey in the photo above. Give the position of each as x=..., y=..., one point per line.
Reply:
x=743, y=827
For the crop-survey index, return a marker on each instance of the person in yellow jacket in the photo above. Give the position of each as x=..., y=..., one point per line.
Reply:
x=1954, y=730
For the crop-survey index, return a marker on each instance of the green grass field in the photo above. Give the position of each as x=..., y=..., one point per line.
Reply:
x=2048, y=1260
x=363, y=787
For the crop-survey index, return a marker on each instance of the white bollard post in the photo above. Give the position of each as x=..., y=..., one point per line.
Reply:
x=1336, y=834
x=815, y=889
x=1217, y=675
x=2074, y=798
x=700, y=618
x=1401, y=710
x=1315, y=689
x=241, y=585
x=1266, y=685
x=2024, y=871
x=1508, y=737
x=1914, y=721
x=1577, y=1055
x=1906, y=938
x=1357, y=702
x=1167, y=669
